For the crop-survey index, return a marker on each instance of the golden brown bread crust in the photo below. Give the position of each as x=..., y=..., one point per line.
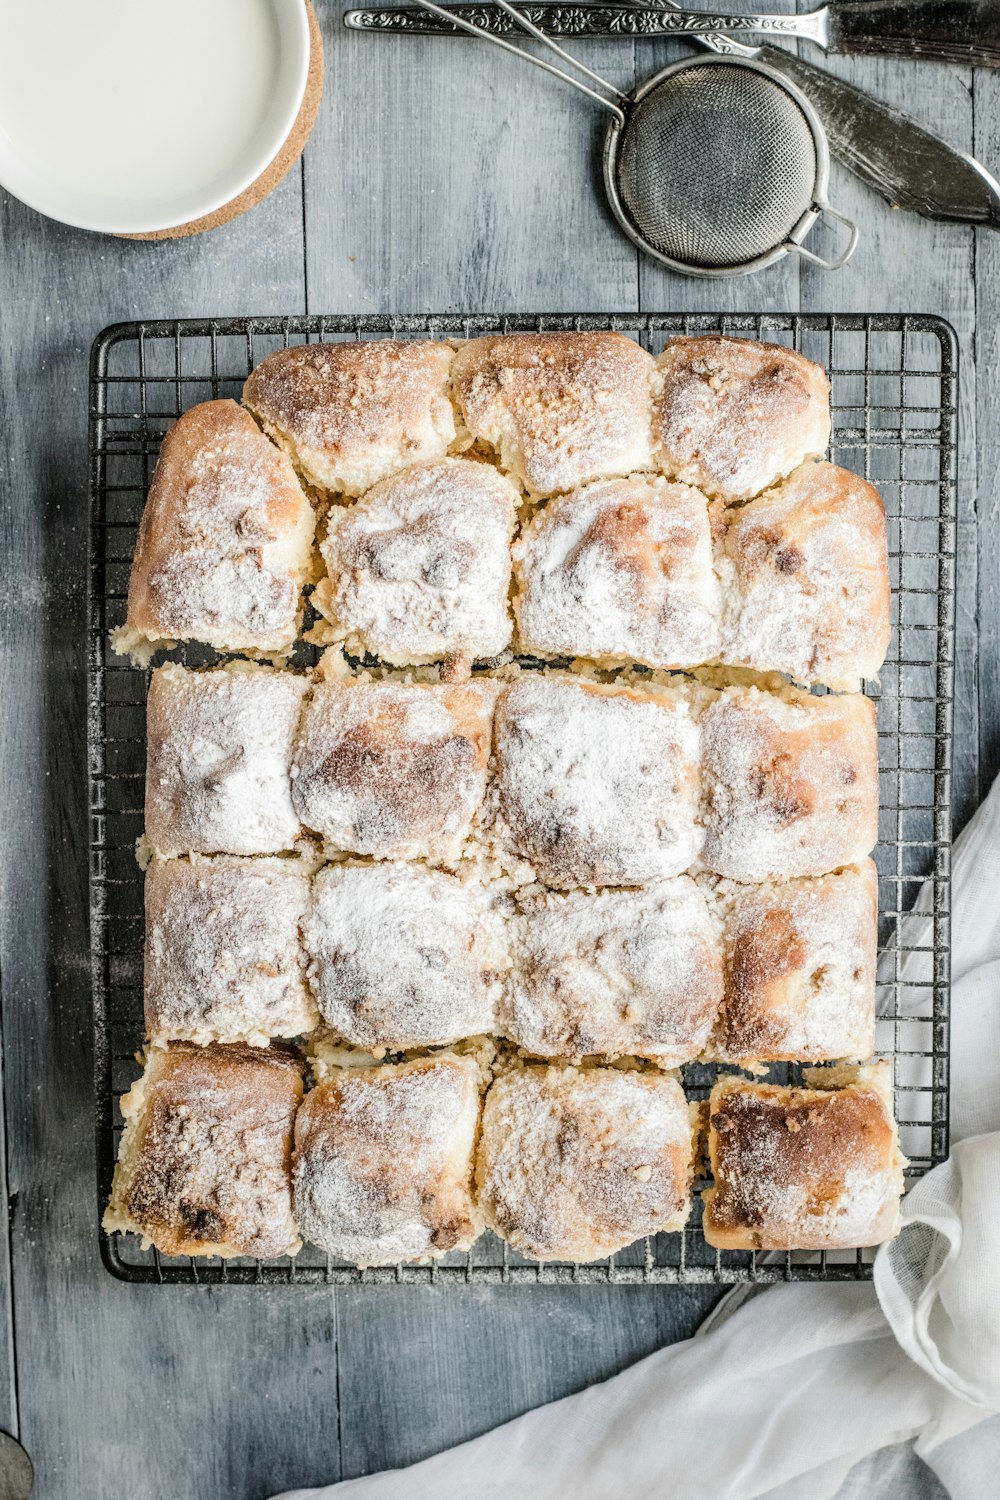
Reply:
x=350, y=414
x=732, y=416
x=806, y=579
x=225, y=539
x=803, y=1169
x=206, y=1171
x=559, y=408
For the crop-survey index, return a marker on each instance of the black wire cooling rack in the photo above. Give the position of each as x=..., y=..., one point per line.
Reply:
x=895, y=404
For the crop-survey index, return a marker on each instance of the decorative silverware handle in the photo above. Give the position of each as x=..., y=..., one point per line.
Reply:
x=587, y=20
x=943, y=30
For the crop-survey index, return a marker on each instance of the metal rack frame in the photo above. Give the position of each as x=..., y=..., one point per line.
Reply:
x=895, y=410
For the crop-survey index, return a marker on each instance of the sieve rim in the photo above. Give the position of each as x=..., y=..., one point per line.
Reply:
x=795, y=236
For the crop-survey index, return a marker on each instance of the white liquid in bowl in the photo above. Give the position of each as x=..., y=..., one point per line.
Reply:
x=132, y=115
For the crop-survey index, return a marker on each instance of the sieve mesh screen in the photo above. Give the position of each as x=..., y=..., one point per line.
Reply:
x=716, y=166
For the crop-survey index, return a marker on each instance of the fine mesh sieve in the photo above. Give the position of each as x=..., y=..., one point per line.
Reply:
x=717, y=166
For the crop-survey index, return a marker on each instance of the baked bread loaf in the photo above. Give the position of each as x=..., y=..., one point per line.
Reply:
x=350, y=414
x=790, y=783
x=805, y=571
x=559, y=408
x=225, y=542
x=596, y=785
x=615, y=973
x=620, y=571
x=218, y=759
x=402, y=956
x=394, y=770
x=814, y=1168
x=383, y=1160
x=800, y=968
x=203, y=1167
x=224, y=962
x=732, y=416
x=419, y=568
x=576, y=1163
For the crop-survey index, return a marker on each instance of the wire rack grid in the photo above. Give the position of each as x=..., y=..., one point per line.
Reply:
x=895, y=403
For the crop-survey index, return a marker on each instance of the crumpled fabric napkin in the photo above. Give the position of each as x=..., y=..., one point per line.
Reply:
x=795, y=1384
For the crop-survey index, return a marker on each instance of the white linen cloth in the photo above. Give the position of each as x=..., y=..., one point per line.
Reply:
x=796, y=1383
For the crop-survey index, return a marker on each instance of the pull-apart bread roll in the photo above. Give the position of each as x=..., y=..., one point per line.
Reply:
x=218, y=760
x=732, y=416
x=790, y=783
x=225, y=542
x=559, y=408
x=596, y=785
x=814, y=1168
x=419, y=568
x=383, y=1160
x=224, y=961
x=204, y=1163
x=403, y=956
x=615, y=973
x=394, y=770
x=574, y=1164
x=805, y=572
x=350, y=414
x=800, y=968
x=620, y=571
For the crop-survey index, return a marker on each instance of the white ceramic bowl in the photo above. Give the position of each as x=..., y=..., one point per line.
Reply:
x=131, y=117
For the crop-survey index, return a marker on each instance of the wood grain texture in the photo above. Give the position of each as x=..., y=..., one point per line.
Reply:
x=440, y=176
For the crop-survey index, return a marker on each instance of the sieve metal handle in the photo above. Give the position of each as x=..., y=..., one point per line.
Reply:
x=824, y=209
x=528, y=26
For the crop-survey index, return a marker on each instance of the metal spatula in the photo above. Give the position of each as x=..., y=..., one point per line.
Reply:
x=935, y=30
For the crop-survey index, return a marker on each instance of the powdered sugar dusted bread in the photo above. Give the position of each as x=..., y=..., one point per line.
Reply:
x=394, y=770
x=225, y=542
x=574, y=1164
x=790, y=783
x=614, y=973
x=805, y=570
x=596, y=785
x=619, y=571
x=419, y=568
x=218, y=756
x=383, y=1160
x=559, y=408
x=350, y=414
x=733, y=415
x=224, y=961
x=403, y=956
x=203, y=1167
x=800, y=968
x=814, y=1168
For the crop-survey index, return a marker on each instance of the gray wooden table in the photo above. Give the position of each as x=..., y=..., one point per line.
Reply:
x=441, y=177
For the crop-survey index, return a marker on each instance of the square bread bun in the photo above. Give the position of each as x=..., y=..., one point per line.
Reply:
x=814, y=1168
x=224, y=960
x=225, y=543
x=203, y=1166
x=350, y=414
x=560, y=409
x=576, y=1163
x=733, y=416
x=218, y=759
x=383, y=1160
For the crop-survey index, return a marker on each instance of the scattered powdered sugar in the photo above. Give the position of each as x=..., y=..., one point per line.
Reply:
x=614, y=972
x=623, y=570
x=383, y=1161
x=419, y=568
x=403, y=956
x=597, y=786
x=218, y=760
x=394, y=770
x=223, y=957
x=575, y=1164
x=560, y=408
